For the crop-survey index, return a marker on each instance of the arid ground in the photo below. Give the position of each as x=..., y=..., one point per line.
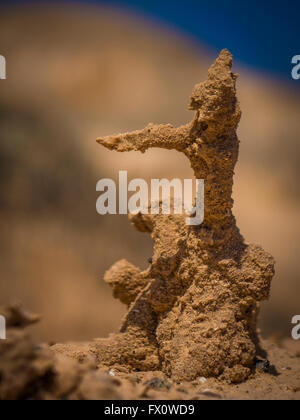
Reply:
x=101, y=72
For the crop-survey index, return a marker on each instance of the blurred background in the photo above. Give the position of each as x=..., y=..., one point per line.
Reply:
x=78, y=70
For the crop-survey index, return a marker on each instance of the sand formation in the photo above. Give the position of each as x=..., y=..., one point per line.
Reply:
x=193, y=312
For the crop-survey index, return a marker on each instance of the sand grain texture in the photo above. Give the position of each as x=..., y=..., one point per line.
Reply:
x=193, y=313
x=191, y=327
x=36, y=372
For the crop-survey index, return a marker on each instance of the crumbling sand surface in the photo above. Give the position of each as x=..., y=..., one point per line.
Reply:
x=30, y=371
x=190, y=329
x=193, y=313
x=52, y=250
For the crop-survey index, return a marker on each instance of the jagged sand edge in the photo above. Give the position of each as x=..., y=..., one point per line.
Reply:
x=194, y=311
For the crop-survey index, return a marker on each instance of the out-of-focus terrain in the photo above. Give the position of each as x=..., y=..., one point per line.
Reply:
x=75, y=73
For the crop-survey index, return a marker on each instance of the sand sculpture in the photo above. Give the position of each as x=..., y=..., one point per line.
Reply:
x=193, y=312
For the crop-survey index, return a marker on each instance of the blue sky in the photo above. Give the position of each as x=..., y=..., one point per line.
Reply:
x=264, y=34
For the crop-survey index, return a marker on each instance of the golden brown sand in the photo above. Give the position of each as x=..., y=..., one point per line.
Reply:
x=29, y=371
x=193, y=313
x=53, y=252
x=190, y=331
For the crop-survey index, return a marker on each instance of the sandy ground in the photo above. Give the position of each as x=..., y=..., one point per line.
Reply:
x=280, y=382
x=41, y=372
x=36, y=372
x=55, y=250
